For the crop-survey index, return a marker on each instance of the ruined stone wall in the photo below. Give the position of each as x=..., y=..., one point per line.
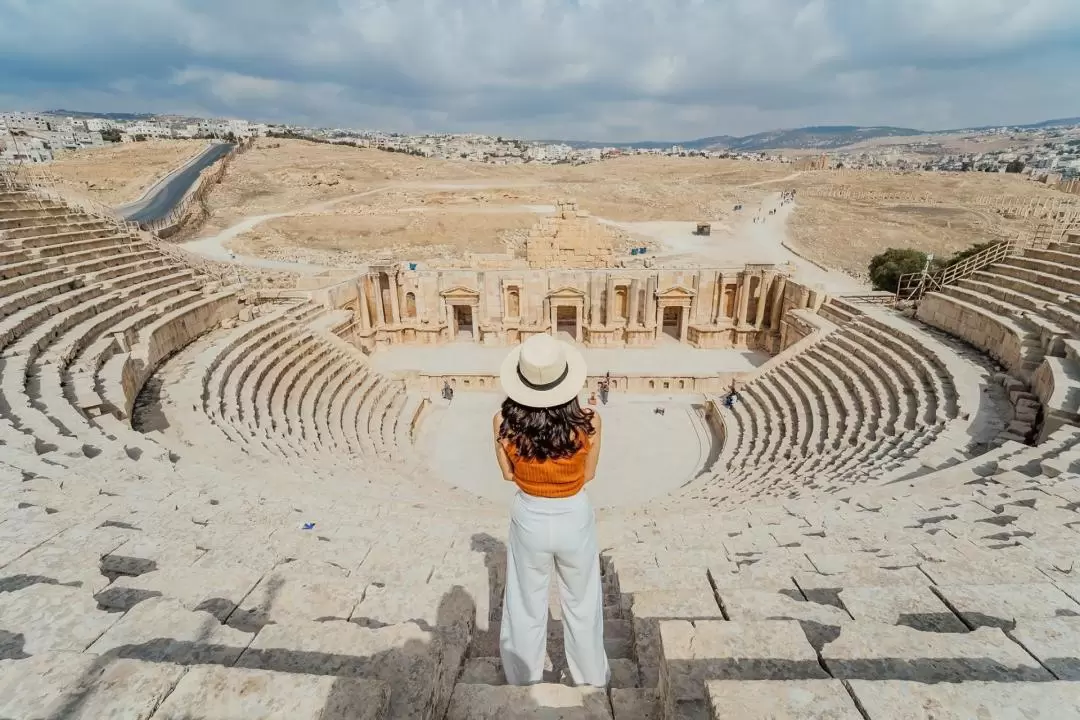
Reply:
x=571, y=239
x=618, y=307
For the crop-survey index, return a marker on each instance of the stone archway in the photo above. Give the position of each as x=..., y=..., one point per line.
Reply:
x=673, y=311
x=463, y=312
x=567, y=311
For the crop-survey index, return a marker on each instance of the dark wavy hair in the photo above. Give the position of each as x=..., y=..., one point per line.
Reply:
x=545, y=433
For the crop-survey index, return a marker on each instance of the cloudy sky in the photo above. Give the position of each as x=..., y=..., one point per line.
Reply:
x=582, y=69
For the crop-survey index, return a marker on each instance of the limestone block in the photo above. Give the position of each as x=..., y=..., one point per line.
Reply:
x=982, y=571
x=649, y=608
x=820, y=622
x=408, y=658
x=220, y=693
x=1055, y=642
x=215, y=591
x=823, y=588
x=281, y=596
x=635, y=704
x=83, y=687
x=1002, y=605
x=709, y=650
x=780, y=700
x=547, y=701
x=871, y=651
x=143, y=555
x=54, y=564
x=162, y=630
x=901, y=700
x=48, y=618
x=915, y=607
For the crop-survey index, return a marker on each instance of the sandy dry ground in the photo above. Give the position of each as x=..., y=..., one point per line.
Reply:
x=846, y=233
x=120, y=173
x=294, y=204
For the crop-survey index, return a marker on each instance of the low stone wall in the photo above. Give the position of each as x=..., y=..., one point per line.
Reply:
x=984, y=331
x=126, y=373
x=432, y=383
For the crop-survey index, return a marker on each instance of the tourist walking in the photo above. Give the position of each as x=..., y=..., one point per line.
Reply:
x=548, y=445
x=447, y=391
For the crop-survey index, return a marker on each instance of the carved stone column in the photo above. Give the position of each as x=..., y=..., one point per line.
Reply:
x=634, y=304
x=380, y=311
x=650, y=300
x=778, y=304
x=365, y=310
x=744, y=299
x=763, y=295
x=609, y=302
x=395, y=310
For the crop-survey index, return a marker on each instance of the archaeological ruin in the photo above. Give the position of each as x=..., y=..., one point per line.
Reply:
x=222, y=500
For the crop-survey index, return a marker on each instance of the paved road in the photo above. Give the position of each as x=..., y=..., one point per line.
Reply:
x=165, y=195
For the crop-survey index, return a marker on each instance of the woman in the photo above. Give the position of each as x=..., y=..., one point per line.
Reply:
x=548, y=445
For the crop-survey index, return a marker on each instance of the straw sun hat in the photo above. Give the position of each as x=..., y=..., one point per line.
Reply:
x=543, y=372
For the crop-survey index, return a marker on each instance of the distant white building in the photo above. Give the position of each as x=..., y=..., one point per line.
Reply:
x=25, y=121
x=24, y=149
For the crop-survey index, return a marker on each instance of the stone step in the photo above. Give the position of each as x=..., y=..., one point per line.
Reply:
x=547, y=700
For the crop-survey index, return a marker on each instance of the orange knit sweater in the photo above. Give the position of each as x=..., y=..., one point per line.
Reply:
x=552, y=478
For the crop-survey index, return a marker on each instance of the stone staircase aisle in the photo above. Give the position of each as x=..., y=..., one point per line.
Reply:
x=481, y=692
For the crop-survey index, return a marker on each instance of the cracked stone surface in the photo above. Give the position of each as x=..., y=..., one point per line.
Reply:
x=780, y=699
x=870, y=651
x=905, y=700
x=44, y=618
x=915, y=607
x=83, y=687
x=711, y=650
x=1002, y=605
x=163, y=630
x=219, y=692
x=1056, y=643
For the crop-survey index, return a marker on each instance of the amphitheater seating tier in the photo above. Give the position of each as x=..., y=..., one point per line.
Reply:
x=268, y=546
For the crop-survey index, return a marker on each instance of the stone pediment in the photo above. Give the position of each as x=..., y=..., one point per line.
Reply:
x=676, y=291
x=566, y=292
x=460, y=291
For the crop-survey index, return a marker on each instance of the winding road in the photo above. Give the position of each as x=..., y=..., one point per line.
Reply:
x=164, y=195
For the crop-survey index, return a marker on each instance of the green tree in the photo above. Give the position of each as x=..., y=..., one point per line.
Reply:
x=886, y=268
x=1016, y=166
x=110, y=135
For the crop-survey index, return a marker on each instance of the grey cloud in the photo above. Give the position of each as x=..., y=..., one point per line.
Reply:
x=617, y=69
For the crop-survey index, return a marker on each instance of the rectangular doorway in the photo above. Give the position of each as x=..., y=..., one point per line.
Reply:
x=566, y=321
x=463, y=322
x=673, y=322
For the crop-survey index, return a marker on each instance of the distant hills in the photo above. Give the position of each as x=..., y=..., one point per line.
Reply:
x=122, y=117
x=819, y=137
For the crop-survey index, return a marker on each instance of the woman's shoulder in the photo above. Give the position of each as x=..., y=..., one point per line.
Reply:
x=496, y=422
x=594, y=418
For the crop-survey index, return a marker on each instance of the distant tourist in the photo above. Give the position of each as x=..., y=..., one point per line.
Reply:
x=592, y=399
x=548, y=446
x=447, y=391
x=604, y=392
x=732, y=396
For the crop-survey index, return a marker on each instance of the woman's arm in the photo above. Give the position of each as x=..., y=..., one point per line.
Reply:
x=505, y=465
x=594, y=449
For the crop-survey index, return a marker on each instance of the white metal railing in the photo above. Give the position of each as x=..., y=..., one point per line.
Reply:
x=912, y=286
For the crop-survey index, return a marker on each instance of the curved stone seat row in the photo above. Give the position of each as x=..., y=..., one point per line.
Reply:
x=1017, y=311
x=292, y=390
x=850, y=408
x=76, y=291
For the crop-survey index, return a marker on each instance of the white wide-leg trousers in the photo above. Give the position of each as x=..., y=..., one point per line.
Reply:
x=544, y=531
